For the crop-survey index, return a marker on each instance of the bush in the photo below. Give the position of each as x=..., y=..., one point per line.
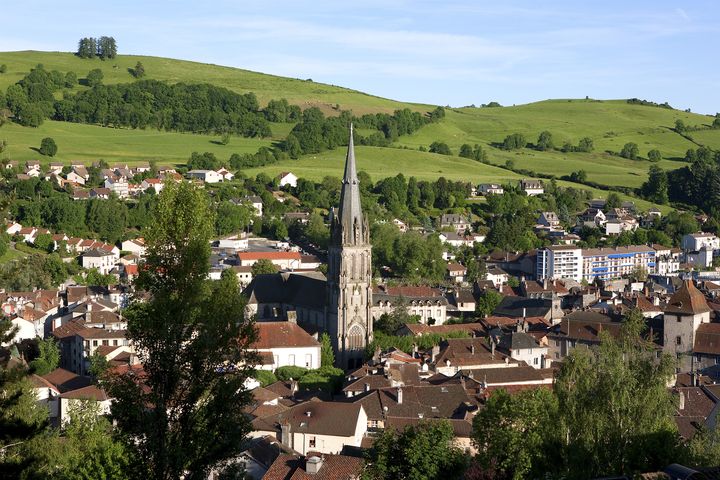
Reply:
x=288, y=372
x=265, y=377
x=654, y=155
x=48, y=147
x=440, y=147
x=514, y=142
x=630, y=150
x=3, y=68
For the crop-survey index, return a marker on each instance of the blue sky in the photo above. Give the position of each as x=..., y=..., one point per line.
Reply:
x=447, y=52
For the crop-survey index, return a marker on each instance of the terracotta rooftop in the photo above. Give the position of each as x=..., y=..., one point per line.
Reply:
x=334, y=467
x=282, y=334
x=707, y=339
x=688, y=300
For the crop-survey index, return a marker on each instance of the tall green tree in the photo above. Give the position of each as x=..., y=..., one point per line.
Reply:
x=183, y=416
x=49, y=357
x=327, y=355
x=630, y=150
x=514, y=433
x=418, y=452
x=545, y=141
x=616, y=407
x=48, y=147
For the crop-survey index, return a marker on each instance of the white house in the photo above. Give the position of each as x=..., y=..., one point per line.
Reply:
x=207, y=176
x=100, y=259
x=155, y=183
x=117, y=185
x=491, y=189
x=532, y=187
x=695, y=241
x=136, y=246
x=524, y=348
x=316, y=426
x=283, y=344
x=256, y=202
x=287, y=178
x=620, y=225
x=236, y=242
x=74, y=398
x=225, y=174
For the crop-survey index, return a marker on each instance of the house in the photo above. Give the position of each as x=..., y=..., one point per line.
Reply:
x=100, y=193
x=207, y=176
x=235, y=242
x=579, y=329
x=135, y=245
x=302, y=217
x=457, y=222
x=284, y=260
x=156, y=184
x=118, y=185
x=320, y=467
x=55, y=168
x=72, y=399
x=456, y=354
x=532, y=187
x=256, y=202
x=549, y=219
x=101, y=260
x=593, y=218
x=428, y=303
x=491, y=189
x=456, y=272
x=497, y=276
x=458, y=239
x=316, y=426
x=80, y=194
x=287, y=178
x=402, y=226
x=523, y=347
x=31, y=165
x=79, y=174
x=28, y=233
x=78, y=343
x=11, y=228
x=693, y=242
x=225, y=174
x=616, y=226
x=283, y=344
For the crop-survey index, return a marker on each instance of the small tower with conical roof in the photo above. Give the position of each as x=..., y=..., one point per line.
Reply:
x=349, y=280
x=684, y=313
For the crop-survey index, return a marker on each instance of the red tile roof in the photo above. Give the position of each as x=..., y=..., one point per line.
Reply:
x=282, y=335
x=334, y=467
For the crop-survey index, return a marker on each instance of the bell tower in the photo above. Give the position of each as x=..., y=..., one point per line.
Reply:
x=349, y=277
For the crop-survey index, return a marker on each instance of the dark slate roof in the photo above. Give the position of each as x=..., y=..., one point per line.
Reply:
x=517, y=341
x=307, y=289
x=513, y=307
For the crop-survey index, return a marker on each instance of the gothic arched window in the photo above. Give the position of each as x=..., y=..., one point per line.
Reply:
x=356, y=338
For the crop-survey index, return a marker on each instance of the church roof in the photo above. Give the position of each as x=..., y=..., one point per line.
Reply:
x=307, y=289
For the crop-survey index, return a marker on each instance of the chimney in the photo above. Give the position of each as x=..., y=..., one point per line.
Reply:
x=285, y=432
x=399, y=395
x=367, y=387
x=313, y=465
x=472, y=349
x=682, y=401
x=492, y=349
x=524, y=312
x=435, y=353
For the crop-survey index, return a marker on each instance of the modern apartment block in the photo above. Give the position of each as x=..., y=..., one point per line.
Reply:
x=567, y=261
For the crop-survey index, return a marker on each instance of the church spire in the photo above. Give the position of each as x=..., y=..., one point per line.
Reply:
x=350, y=214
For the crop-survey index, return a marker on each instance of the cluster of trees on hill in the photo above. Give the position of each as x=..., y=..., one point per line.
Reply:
x=103, y=47
x=637, y=101
x=31, y=100
x=199, y=108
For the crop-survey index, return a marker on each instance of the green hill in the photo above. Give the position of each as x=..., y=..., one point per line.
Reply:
x=610, y=124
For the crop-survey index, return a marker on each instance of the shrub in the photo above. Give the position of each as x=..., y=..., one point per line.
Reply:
x=288, y=372
x=265, y=377
x=48, y=147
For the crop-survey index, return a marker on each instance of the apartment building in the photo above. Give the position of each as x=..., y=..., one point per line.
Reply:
x=567, y=261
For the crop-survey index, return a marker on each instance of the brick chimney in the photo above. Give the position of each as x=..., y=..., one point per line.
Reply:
x=399, y=395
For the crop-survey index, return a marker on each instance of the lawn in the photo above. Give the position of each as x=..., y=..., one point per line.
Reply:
x=88, y=143
x=10, y=255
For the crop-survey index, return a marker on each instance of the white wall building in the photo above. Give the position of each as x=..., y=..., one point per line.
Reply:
x=287, y=178
x=283, y=344
x=207, y=176
x=693, y=242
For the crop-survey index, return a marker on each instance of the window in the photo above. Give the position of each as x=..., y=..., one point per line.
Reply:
x=678, y=318
x=535, y=361
x=105, y=342
x=311, y=443
x=698, y=358
x=94, y=343
x=291, y=359
x=678, y=340
x=115, y=343
x=308, y=360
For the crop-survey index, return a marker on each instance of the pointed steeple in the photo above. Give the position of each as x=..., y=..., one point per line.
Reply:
x=350, y=213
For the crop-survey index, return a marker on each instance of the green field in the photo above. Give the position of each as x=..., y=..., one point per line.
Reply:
x=266, y=87
x=89, y=143
x=610, y=124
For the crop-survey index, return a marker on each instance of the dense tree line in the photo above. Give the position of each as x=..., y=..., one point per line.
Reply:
x=103, y=47
x=198, y=108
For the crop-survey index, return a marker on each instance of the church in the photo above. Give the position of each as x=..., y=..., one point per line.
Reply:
x=339, y=304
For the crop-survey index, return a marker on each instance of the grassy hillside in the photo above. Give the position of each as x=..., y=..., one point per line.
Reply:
x=610, y=124
x=90, y=143
x=266, y=87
